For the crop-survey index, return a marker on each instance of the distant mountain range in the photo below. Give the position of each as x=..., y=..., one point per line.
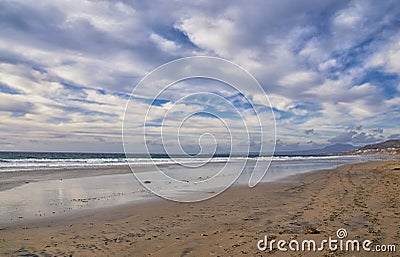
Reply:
x=386, y=147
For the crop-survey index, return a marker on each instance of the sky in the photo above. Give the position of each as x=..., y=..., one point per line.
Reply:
x=331, y=69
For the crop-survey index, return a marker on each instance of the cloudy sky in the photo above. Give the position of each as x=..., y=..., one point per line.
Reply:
x=330, y=68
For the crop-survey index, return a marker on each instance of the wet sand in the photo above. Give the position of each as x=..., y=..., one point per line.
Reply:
x=362, y=198
x=11, y=179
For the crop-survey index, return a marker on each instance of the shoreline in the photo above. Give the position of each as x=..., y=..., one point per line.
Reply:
x=153, y=199
x=12, y=179
x=360, y=197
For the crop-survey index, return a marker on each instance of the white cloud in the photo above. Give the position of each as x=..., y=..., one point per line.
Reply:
x=164, y=44
x=299, y=79
x=212, y=34
x=388, y=56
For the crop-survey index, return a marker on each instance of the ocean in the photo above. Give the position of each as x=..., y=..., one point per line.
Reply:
x=22, y=161
x=19, y=161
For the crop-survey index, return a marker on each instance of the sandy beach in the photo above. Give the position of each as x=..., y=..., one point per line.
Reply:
x=361, y=198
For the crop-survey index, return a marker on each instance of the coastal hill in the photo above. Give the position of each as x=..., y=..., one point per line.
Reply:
x=386, y=147
x=395, y=143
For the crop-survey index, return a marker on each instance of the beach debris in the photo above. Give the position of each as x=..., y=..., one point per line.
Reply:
x=203, y=234
x=311, y=230
x=397, y=168
x=147, y=181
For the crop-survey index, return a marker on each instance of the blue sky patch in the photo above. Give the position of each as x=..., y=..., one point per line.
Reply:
x=8, y=90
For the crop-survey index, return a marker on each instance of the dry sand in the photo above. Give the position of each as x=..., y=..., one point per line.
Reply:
x=362, y=198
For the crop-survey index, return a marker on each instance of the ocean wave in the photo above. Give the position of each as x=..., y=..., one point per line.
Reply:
x=38, y=164
x=76, y=163
x=296, y=158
